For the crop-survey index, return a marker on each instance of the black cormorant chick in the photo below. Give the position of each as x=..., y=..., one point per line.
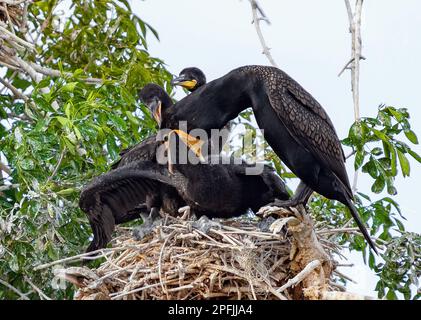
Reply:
x=295, y=125
x=214, y=190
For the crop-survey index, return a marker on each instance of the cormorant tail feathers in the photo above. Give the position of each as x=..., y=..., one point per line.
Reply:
x=360, y=224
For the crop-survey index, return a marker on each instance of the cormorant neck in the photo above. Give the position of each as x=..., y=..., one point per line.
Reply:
x=214, y=104
x=166, y=101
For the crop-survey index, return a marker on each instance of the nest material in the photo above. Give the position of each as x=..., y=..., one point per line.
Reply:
x=235, y=259
x=12, y=13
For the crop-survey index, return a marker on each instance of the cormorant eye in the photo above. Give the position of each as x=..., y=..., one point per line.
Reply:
x=166, y=138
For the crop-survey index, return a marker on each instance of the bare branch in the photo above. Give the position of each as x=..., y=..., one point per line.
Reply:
x=9, y=187
x=15, y=2
x=41, y=294
x=22, y=117
x=9, y=286
x=57, y=73
x=28, y=69
x=348, y=63
x=351, y=154
x=4, y=8
x=12, y=88
x=301, y=276
x=60, y=160
x=354, y=63
x=13, y=39
x=4, y=168
x=23, y=26
x=336, y=295
x=350, y=14
x=344, y=276
x=256, y=9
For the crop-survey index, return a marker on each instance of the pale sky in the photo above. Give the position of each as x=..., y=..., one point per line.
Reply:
x=310, y=41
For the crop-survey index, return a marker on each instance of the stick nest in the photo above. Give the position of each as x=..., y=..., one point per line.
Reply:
x=241, y=258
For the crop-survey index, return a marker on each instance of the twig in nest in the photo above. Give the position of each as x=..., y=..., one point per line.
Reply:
x=301, y=276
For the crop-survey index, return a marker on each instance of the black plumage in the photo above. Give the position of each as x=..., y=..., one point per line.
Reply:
x=295, y=125
x=214, y=190
x=190, y=78
x=138, y=186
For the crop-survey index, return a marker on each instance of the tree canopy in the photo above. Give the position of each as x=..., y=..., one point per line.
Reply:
x=69, y=105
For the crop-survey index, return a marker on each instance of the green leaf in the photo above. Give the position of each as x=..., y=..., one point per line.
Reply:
x=378, y=185
x=371, y=261
x=377, y=151
x=66, y=192
x=391, y=295
x=380, y=135
x=69, y=87
x=364, y=196
x=359, y=159
x=112, y=147
x=391, y=188
x=386, y=149
x=127, y=97
x=395, y=113
x=132, y=118
x=393, y=162
x=404, y=164
x=411, y=136
x=356, y=133
x=44, y=83
x=370, y=168
x=414, y=155
x=64, y=121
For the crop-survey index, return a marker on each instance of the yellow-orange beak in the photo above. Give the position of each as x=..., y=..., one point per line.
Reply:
x=157, y=113
x=189, y=84
x=191, y=142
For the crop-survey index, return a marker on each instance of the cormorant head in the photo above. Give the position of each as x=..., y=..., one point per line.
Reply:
x=190, y=78
x=156, y=99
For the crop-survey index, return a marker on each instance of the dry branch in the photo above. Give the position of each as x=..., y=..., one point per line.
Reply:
x=259, y=15
x=353, y=64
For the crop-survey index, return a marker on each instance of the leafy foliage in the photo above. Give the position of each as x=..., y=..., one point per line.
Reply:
x=70, y=133
x=377, y=148
x=401, y=268
x=378, y=151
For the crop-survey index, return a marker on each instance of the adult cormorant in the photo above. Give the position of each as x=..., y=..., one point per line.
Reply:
x=214, y=190
x=295, y=125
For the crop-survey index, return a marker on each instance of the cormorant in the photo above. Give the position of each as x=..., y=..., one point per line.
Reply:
x=214, y=190
x=107, y=203
x=295, y=125
x=190, y=78
x=152, y=199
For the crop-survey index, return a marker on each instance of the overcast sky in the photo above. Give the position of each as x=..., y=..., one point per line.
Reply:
x=310, y=41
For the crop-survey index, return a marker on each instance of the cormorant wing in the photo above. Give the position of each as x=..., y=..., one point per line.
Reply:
x=310, y=125
x=268, y=176
x=146, y=150
x=114, y=197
